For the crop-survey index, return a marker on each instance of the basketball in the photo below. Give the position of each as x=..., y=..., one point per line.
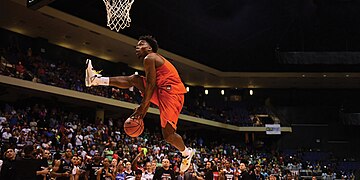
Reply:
x=134, y=127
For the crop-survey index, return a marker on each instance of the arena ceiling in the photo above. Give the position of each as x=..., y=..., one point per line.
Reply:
x=238, y=35
x=212, y=43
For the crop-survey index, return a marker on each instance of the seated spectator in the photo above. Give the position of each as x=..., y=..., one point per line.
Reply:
x=8, y=169
x=164, y=172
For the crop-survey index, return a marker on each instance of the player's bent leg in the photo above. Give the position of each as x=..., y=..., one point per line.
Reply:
x=94, y=78
x=176, y=140
x=172, y=137
x=125, y=82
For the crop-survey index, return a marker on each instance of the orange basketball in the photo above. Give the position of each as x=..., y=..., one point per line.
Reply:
x=134, y=127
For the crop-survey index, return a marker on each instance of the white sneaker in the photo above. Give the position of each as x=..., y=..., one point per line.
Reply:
x=90, y=74
x=186, y=161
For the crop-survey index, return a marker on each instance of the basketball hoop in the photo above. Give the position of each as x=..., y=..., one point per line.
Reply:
x=118, y=13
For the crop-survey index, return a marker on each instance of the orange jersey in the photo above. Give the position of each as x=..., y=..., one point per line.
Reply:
x=168, y=94
x=168, y=78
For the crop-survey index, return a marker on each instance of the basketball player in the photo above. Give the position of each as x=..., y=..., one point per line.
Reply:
x=94, y=166
x=105, y=173
x=129, y=173
x=62, y=168
x=228, y=172
x=161, y=85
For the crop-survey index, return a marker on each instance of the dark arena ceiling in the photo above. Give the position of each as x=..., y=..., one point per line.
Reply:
x=241, y=35
x=213, y=43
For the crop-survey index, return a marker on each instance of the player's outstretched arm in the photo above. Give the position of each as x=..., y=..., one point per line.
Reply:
x=150, y=72
x=136, y=159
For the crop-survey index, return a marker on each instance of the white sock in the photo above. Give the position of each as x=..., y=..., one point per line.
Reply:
x=131, y=88
x=186, y=152
x=103, y=81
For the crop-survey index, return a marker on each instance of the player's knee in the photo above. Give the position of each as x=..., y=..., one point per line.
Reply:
x=134, y=79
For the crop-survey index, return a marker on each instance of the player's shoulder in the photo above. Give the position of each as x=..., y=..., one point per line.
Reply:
x=152, y=56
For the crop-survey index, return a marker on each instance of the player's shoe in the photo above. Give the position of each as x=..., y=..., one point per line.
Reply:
x=186, y=161
x=90, y=74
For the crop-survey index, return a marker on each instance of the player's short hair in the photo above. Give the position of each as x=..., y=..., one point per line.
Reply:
x=28, y=149
x=138, y=171
x=151, y=41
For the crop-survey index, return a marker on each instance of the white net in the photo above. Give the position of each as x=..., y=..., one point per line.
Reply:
x=118, y=13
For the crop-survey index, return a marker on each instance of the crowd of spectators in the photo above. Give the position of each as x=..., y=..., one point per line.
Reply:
x=71, y=145
x=58, y=137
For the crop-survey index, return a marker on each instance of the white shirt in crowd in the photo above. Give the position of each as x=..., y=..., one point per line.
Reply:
x=6, y=135
x=111, y=122
x=2, y=120
x=26, y=130
x=79, y=140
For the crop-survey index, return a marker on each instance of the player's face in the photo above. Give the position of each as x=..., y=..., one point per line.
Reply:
x=208, y=165
x=79, y=160
x=10, y=153
x=114, y=162
x=142, y=49
x=74, y=160
x=272, y=177
x=46, y=154
x=106, y=162
x=120, y=167
x=97, y=156
x=128, y=165
x=165, y=163
x=153, y=166
x=227, y=164
x=242, y=167
x=148, y=166
x=68, y=153
x=138, y=176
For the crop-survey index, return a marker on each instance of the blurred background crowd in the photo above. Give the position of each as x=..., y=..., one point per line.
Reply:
x=60, y=142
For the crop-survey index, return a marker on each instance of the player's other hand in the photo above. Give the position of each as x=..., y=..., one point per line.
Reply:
x=139, y=112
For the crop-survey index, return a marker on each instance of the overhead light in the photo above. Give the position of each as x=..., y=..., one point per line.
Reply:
x=324, y=75
x=136, y=73
x=187, y=89
x=222, y=92
x=347, y=75
x=86, y=51
x=65, y=45
x=251, y=92
x=206, y=91
x=303, y=75
x=105, y=57
x=18, y=30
